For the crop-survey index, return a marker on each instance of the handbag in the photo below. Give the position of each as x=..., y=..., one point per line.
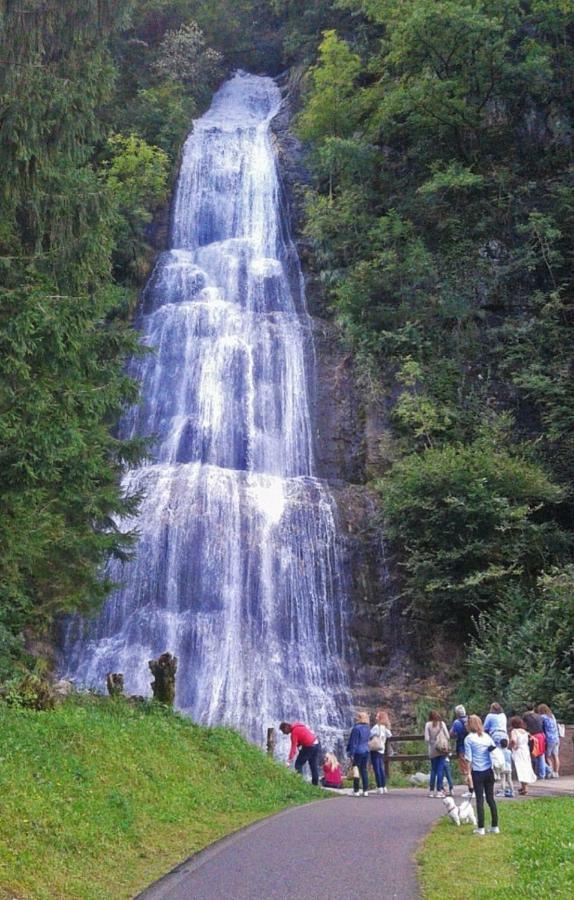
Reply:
x=442, y=743
x=497, y=759
x=376, y=742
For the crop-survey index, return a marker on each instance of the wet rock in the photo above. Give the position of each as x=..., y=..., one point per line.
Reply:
x=63, y=688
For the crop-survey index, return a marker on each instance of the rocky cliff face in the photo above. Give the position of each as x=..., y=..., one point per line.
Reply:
x=353, y=447
x=351, y=437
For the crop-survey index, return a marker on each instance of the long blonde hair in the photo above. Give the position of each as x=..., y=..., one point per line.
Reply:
x=363, y=718
x=383, y=718
x=475, y=725
x=331, y=760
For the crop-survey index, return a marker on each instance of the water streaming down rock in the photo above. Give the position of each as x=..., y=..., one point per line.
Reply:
x=238, y=569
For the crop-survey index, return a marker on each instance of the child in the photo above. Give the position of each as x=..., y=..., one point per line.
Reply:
x=332, y=775
x=506, y=774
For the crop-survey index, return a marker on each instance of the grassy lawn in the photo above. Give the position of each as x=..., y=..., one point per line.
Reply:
x=533, y=856
x=99, y=798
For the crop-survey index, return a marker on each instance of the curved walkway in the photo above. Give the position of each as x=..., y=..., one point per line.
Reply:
x=330, y=850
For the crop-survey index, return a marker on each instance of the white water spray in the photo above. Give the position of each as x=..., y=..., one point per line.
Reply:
x=238, y=570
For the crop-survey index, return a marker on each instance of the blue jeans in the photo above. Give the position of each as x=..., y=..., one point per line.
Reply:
x=436, y=772
x=446, y=774
x=540, y=766
x=361, y=761
x=378, y=764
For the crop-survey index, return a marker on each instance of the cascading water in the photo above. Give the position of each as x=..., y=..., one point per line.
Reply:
x=237, y=569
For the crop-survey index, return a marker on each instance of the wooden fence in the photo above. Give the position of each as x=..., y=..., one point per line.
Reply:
x=402, y=757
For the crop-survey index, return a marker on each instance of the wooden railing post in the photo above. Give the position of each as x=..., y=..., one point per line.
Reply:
x=271, y=741
x=387, y=759
x=115, y=684
x=402, y=757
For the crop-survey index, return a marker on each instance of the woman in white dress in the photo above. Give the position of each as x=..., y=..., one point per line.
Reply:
x=521, y=753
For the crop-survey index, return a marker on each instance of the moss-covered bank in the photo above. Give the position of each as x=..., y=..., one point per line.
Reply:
x=98, y=798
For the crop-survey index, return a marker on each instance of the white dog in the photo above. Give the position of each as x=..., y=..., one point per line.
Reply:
x=452, y=810
x=466, y=813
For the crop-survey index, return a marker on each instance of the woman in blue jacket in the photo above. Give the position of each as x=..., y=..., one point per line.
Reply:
x=358, y=750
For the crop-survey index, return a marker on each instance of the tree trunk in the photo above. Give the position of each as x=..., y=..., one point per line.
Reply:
x=163, y=670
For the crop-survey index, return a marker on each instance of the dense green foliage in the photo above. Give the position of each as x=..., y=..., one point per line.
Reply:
x=62, y=347
x=525, y=647
x=100, y=798
x=440, y=138
x=96, y=99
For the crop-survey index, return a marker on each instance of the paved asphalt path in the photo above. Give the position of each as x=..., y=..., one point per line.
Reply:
x=329, y=850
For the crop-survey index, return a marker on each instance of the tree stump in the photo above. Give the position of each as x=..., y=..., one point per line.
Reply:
x=163, y=670
x=271, y=741
x=115, y=684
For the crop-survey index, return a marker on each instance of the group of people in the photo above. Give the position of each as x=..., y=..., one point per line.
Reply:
x=490, y=751
x=487, y=752
x=365, y=744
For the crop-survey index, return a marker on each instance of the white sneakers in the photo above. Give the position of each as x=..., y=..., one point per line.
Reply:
x=494, y=830
x=380, y=790
x=360, y=793
x=436, y=795
x=481, y=832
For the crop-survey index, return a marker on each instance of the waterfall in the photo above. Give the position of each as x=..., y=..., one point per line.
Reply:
x=238, y=568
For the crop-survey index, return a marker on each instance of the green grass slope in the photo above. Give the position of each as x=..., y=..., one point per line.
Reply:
x=98, y=798
x=533, y=856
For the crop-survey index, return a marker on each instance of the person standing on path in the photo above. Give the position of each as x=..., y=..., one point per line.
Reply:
x=535, y=728
x=358, y=750
x=506, y=777
x=458, y=731
x=550, y=726
x=521, y=754
x=379, y=734
x=477, y=749
x=495, y=724
x=437, y=740
x=304, y=741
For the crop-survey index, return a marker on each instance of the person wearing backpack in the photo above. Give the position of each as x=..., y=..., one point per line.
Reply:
x=458, y=731
x=438, y=743
x=478, y=746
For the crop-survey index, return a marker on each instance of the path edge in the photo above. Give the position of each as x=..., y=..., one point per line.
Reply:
x=161, y=889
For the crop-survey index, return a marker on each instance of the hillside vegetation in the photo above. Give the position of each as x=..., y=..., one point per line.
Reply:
x=98, y=798
x=440, y=136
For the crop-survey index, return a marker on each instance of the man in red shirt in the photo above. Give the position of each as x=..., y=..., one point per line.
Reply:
x=308, y=745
